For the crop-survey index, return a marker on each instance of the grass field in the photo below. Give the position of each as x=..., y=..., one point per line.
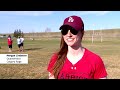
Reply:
x=40, y=51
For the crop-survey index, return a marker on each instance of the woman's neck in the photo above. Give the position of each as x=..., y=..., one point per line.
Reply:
x=75, y=50
x=75, y=54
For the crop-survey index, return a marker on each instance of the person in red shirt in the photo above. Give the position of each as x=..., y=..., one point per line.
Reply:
x=10, y=41
x=73, y=61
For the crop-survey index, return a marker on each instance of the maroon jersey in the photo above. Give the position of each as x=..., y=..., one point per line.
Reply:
x=90, y=66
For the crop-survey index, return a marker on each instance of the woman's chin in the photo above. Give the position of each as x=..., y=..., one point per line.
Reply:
x=70, y=44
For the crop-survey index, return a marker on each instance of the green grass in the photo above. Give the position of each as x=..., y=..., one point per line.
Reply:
x=40, y=51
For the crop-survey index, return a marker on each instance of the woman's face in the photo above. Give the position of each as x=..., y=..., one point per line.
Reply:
x=71, y=39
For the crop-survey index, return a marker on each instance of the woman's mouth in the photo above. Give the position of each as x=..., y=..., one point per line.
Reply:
x=70, y=39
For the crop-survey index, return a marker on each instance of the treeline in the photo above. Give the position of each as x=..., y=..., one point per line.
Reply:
x=18, y=32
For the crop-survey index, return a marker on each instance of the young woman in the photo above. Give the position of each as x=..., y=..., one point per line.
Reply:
x=19, y=43
x=10, y=41
x=73, y=61
x=22, y=43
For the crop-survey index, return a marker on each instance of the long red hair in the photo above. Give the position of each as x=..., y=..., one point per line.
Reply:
x=61, y=56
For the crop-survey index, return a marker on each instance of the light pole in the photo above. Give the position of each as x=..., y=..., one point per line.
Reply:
x=101, y=34
x=93, y=34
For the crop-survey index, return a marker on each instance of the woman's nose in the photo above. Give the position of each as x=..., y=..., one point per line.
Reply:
x=69, y=33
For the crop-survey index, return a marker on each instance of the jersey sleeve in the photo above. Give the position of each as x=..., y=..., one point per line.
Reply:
x=100, y=70
x=52, y=62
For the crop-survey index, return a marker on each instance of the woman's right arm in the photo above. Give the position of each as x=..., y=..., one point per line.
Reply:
x=51, y=76
x=50, y=65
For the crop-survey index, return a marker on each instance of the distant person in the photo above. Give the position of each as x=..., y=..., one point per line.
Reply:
x=10, y=41
x=19, y=43
x=22, y=43
x=73, y=61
